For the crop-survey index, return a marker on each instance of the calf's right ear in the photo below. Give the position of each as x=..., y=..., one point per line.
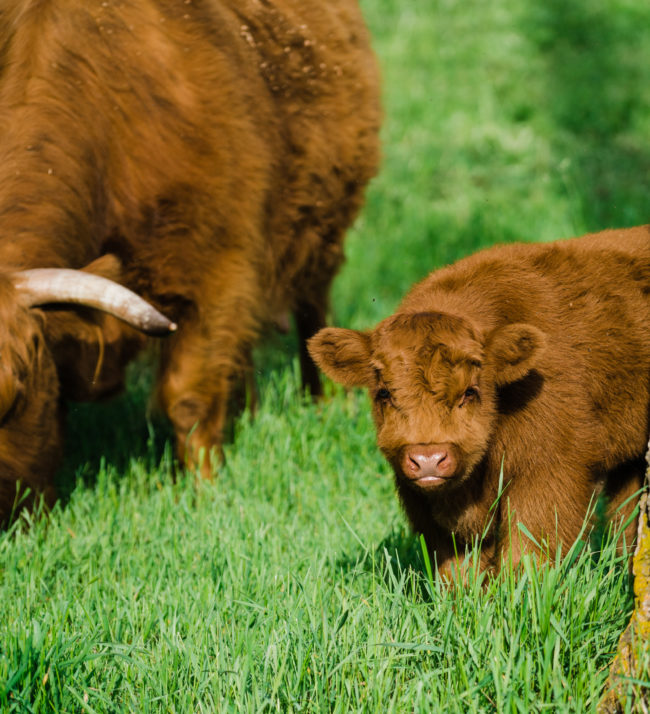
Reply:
x=344, y=355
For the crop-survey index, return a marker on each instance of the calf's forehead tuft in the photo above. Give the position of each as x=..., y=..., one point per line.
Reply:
x=414, y=338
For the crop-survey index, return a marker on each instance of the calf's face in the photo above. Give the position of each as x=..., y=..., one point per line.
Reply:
x=433, y=381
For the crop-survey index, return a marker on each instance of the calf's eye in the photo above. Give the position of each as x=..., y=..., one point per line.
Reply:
x=383, y=395
x=470, y=395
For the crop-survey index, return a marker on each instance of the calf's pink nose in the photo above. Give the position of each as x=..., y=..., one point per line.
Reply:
x=422, y=460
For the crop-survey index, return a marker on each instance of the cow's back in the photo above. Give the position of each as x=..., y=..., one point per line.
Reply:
x=190, y=130
x=322, y=76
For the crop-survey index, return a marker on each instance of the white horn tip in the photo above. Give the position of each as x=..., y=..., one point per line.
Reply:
x=158, y=325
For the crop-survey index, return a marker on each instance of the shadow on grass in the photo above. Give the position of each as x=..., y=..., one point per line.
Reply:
x=116, y=432
x=597, y=94
x=397, y=558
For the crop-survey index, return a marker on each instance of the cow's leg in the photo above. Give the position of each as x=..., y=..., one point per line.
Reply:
x=622, y=492
x=310, y=315
x=200, y=367
x=309, y=319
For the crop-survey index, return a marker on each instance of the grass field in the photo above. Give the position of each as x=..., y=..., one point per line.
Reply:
x=291, y=583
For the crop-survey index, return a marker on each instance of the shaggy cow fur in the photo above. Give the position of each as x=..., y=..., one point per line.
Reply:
x=209, y=154
x=535, y=356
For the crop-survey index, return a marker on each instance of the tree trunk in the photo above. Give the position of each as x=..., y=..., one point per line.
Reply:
x=628, y=688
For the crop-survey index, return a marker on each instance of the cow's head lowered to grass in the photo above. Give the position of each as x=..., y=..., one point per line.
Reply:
x=433, y=380
x=37, y=351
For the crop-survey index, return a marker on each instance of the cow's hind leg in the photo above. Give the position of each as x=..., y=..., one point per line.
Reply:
x=311, y=314
x=309, y=319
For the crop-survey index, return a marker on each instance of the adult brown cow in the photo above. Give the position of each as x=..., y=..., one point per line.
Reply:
x=206, y=154
x=534, y=356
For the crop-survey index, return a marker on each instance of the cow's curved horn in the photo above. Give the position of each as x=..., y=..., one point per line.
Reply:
x=47, y=286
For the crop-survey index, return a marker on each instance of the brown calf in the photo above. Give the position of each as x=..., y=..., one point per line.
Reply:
x=536, y=356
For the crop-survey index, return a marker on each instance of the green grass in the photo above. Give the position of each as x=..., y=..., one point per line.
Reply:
x=292, y=583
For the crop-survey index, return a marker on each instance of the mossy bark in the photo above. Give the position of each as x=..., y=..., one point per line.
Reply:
x=628, y=684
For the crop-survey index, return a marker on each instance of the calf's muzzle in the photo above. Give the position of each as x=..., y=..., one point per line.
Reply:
x=429, y=464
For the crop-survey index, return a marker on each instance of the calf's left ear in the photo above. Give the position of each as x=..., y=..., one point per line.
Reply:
x=513, y=351
x=344, y=355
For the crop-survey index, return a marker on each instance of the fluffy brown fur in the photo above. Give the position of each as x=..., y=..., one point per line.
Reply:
x=218, y=149
x=537, y=355
x=30, y=419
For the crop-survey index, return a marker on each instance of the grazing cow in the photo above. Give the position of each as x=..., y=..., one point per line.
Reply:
x=208, y=155
x=534, y=356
